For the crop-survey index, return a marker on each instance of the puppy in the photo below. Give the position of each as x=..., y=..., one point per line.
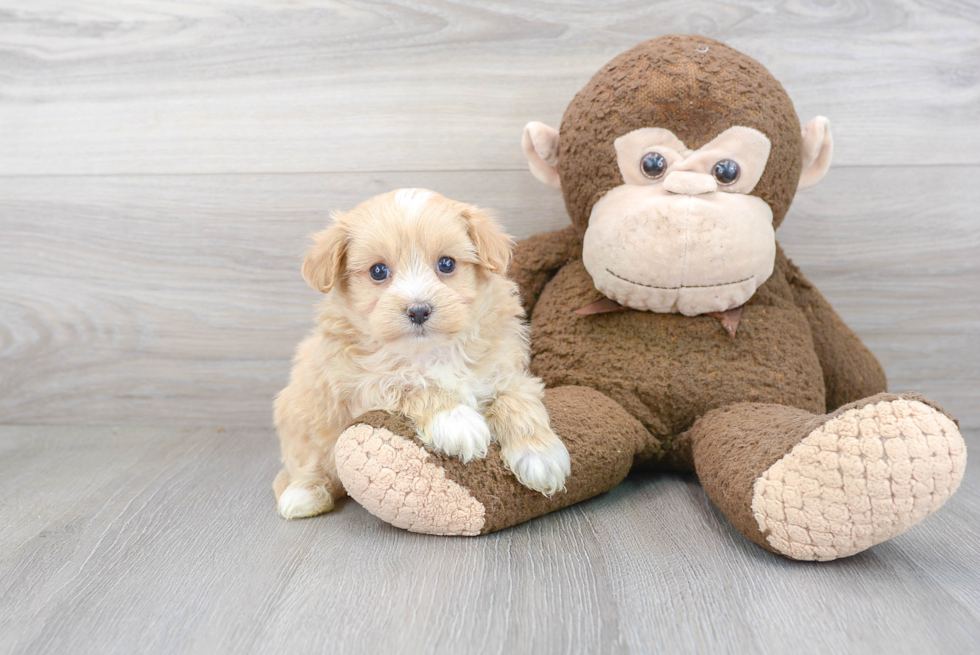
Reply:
x=417, y=320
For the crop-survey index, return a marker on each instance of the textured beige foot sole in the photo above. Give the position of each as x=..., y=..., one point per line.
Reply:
x=861, y=478
x=395, y=479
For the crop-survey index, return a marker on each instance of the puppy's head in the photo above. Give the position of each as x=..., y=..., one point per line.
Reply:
x=409, y=265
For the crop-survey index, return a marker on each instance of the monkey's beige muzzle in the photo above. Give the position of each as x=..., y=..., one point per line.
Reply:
x=651, y=249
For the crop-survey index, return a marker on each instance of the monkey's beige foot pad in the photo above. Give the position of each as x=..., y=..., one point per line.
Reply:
x=393, y=475
x=864, y=476
x=396, y=480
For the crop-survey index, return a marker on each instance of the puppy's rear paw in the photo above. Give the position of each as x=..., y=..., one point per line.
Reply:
x=298, y=502
x=542, y=470
x=461, y=432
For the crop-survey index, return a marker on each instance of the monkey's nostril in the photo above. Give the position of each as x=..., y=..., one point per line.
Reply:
x=689, y=183
x=419, y=312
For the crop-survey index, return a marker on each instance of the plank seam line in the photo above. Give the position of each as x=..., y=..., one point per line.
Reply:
x=16, y=176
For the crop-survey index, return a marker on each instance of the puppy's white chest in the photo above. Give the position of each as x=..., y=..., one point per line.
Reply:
x=393, y=377
x=459, y=381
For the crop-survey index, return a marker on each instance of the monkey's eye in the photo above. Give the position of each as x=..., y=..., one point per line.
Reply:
x=653, y=165
x=446, y=265
x=726, y=172
x=379, y=272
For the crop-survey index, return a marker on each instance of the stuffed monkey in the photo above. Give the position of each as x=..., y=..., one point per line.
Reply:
x=671, y=330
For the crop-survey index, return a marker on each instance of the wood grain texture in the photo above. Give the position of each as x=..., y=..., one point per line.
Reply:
x=161, y=165
x=178, y=299
x=131, y=294
x=115, y=87
x=152, y=540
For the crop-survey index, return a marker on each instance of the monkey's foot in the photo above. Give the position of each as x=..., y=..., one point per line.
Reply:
x=867, y=474
x=393, y=475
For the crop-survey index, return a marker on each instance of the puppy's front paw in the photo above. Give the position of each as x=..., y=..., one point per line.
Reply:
x=542, y=468
x=300, y=502
x=461, y=432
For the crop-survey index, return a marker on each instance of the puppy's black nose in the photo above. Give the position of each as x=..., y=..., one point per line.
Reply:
x=419, y=313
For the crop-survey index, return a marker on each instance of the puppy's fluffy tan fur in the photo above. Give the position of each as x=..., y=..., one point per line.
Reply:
x=461, y=375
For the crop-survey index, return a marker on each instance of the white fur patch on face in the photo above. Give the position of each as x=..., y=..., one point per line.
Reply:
x=461, y=432
x=415, y=284
x=412, y=200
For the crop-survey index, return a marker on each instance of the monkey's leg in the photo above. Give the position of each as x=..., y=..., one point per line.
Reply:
x=388, y=471
x=824, y=487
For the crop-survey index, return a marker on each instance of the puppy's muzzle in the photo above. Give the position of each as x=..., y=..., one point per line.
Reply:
x=419, y=312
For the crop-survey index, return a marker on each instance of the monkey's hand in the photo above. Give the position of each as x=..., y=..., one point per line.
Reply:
x=538, y=258
x=850, y=370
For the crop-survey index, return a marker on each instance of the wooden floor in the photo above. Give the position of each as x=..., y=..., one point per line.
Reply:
x=162, y=540
x=161, y=163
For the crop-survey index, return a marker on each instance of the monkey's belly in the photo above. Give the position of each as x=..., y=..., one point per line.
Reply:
x=669, y=369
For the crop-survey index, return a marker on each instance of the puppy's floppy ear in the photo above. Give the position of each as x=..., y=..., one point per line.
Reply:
x=493, y=245
x=324, y=263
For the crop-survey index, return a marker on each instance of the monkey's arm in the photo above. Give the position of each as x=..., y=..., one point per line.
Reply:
x=850, y=371
x=537, y=259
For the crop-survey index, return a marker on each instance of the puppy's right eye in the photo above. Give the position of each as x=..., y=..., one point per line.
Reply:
x=379, y=272
x=446, y=265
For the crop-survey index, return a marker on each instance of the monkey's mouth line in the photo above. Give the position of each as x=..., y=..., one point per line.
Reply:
x=683, y=286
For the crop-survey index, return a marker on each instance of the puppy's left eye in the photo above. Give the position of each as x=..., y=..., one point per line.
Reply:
x=446, y=265
x=379, y=272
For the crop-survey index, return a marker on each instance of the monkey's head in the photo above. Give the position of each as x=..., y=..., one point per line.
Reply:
x=678, y=160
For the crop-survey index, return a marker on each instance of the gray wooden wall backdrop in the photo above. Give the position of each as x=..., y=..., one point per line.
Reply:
x=162, y=162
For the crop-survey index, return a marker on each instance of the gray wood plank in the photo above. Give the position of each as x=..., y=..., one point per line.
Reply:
x=322, y=86
x=166, y=298
x=140, y=284
x=166, y=540
x=898, y=255
x=178, y=299
x=696, y=580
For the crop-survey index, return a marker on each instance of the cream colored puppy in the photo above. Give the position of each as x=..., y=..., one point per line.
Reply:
x=418, y=320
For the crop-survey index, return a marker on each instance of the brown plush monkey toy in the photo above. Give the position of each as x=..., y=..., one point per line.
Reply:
x=671, y=330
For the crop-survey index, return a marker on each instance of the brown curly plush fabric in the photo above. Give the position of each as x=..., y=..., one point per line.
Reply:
x=748, y=414
x=578, y=414
x=669, y=369
x=695, y=87
x=736, y=443
x=541, y=256
x=850, y=371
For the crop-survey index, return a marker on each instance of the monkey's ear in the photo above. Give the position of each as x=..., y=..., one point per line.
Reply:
x=818, y=149
x=324, y=262
x=540, y=146
x=493, y=245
